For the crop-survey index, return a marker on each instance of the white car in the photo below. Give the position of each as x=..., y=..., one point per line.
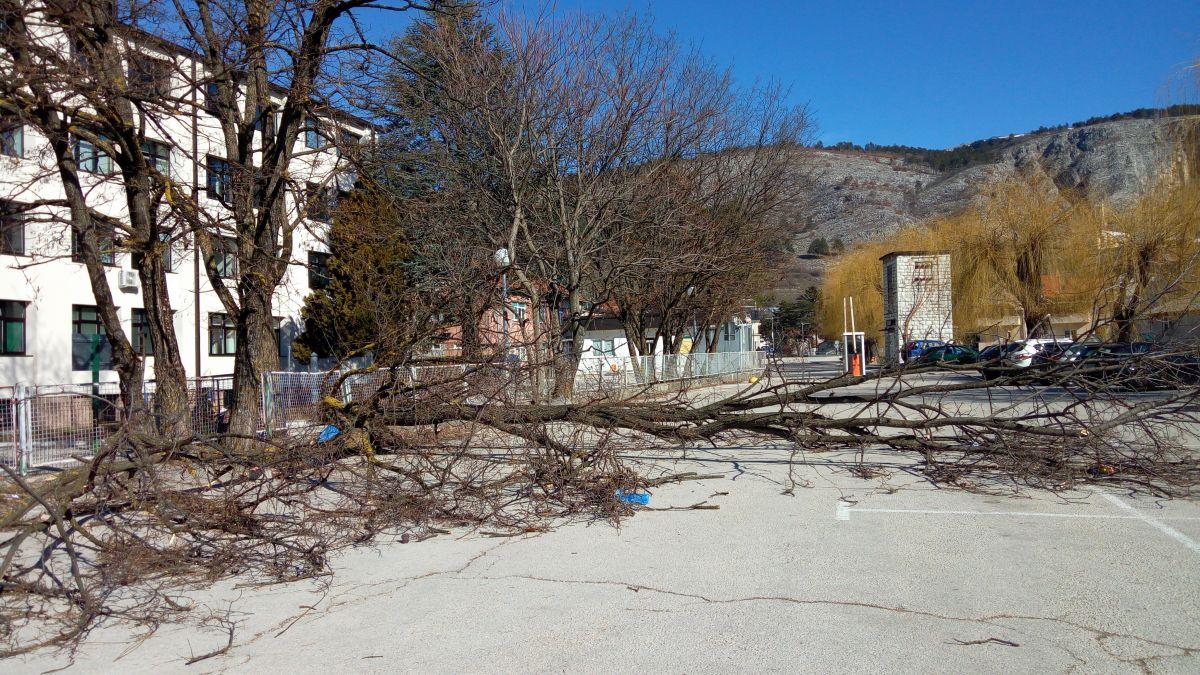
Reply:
x=1022, y=356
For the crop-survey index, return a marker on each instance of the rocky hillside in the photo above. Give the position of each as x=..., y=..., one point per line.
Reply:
x=859, y=195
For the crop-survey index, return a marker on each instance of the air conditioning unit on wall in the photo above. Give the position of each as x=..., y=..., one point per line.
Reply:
x=127, y=280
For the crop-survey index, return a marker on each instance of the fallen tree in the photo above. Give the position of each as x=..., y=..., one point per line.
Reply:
x=117, y=536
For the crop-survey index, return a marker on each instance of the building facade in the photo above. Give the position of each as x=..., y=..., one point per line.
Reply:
x=51, y=329
x=917, y=302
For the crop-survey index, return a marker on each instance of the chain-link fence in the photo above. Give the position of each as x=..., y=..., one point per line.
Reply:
x=292, y=400
x=52, y=424
x=615, y=373
x=48, y=425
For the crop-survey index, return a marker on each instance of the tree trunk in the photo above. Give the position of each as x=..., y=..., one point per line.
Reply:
x=170, y=408
x=635, y=337
x=256, y=353
x=170, y=394
x=128, y=364
x=564, y=381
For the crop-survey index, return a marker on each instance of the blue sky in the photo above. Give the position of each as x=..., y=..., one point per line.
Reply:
x=937, y=74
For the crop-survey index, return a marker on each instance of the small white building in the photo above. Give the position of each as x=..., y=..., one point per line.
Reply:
x=917, y=303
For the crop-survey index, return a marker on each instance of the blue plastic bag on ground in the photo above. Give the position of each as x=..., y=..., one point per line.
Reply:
x=639, y=498
x=329, y=433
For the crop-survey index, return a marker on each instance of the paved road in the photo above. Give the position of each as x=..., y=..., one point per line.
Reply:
x=822, y=368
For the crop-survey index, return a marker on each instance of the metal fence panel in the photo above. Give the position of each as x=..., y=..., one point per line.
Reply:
x=63, y=421
x=47, y=425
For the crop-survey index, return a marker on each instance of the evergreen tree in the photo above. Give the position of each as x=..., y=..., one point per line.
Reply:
x=819, y=246
x=364, y=302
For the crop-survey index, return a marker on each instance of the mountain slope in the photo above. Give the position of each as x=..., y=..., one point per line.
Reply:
x=860, y=195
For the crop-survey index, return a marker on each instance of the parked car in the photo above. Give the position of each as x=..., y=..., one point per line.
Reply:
x=991, y=359
x=1122, y=364
x=913, y=349
x=1146, y=365
x=1080, y=352
x=1177, y=370
x=948, y=354
x=828, y=348
x=1056, y=362
x=1022, y=356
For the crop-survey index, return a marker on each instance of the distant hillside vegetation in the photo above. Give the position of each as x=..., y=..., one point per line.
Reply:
x=989, y=150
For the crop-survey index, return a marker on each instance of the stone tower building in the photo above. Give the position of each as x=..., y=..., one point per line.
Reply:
x=916, y=300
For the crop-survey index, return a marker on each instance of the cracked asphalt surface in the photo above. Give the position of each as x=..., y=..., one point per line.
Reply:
x=811, y=570
x=843, y=575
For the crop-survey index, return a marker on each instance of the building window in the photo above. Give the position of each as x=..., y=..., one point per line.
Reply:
x=142, y=342
x=222, y=335
x=158, y=156
x=79, y=55
x=519, y=311
x=12, y=228
x=150, y=77
x=106, y=241
x=350, y=143
x=12, y=328
x=604, y=347
x=8, y=19
x=224, y=258
x=281, y=342
x=89, y=342
x=168, y=256
x=91, y=158
x=922, y=272
x=12, y=137
x=264, y=120
x=318, y=269
x=730, y=331
x=218, y=179
x=319, y=202
x=212, y=96
x=313, y=138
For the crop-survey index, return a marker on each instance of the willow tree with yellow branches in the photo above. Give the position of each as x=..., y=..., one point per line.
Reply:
x=1012, y=256
x=1028, y=252
x=1147, y=258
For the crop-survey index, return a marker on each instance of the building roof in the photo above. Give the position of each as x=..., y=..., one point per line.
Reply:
x=167, y=45
x=895, y=254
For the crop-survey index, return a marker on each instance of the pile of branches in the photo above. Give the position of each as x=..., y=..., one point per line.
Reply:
x=120, y=534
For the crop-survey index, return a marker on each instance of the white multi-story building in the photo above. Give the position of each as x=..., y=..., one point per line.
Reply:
x=917, y=303
x=47, y=309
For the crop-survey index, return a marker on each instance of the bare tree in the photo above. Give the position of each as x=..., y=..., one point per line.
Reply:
x=563, y=134
x=270, y=70
x=76, y=76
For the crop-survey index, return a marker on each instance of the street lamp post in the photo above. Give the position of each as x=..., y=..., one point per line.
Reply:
x=691, y=290
x=503, y=261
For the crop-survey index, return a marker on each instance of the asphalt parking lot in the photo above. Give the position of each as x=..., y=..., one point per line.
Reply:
x=803, y=567
x=815, y=369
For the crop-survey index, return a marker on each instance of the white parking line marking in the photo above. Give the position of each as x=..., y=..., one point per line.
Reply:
x=1161, y=526
x=844, y=509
